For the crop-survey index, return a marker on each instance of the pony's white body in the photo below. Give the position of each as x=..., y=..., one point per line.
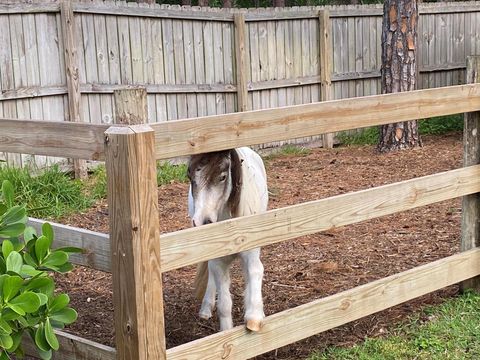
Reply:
x=253, y=200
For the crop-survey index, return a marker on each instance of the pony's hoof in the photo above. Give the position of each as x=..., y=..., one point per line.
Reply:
x=254, y=325
x=204, y=316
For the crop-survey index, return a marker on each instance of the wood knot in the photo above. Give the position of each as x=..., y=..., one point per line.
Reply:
x=227, y=350
x=135, y=228
x=345, y=304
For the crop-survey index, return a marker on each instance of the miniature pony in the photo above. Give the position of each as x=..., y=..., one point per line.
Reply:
x=224, y=185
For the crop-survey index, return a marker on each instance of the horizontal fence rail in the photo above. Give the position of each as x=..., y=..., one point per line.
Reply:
x=190, y=246
x=291, y=325
x=220, y=132
x=195, y=136
x=294, y=324
x=55, y=138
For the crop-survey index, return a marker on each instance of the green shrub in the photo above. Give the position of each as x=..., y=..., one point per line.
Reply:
x=28, y=302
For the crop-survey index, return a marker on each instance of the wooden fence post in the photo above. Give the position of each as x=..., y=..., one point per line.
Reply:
x=72, y=73
x=130, y=106
x=325, y=66
x=135, y=237
x=242, y=91
x=471, y=156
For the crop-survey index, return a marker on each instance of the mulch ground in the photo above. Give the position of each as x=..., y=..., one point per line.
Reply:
x=309, y=267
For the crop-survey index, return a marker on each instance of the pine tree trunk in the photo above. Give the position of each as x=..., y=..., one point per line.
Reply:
x=279, y=3
x=227, y=3
x=399, y=68
x=202, y=2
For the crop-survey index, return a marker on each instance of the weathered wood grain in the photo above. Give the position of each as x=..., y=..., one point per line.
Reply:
x=306, y=320
x=240, y=60
x=72, y=75
x=77, y=140
x=213, y=133
x=135, y=243
x=194, y=245
x=131, y=106
x=471, y=156
x=325, y=56
x=74, y=348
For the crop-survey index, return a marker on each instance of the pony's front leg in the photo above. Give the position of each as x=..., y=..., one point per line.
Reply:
x=253, y=272
x=219, y=268
x=208, y=303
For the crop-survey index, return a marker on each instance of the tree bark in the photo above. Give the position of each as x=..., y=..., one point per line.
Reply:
x=202, y=2
x=227, y=3
x=399, y=68
x=186, y=2
x=279, y=3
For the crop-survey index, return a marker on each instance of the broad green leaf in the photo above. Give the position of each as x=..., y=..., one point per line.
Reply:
x=8, y=315
x=50, y=335
x=66, y=316
x=33, y=320
x=7, y=248
x=4, y=356
x=23, y=321
x=3, y=266
x=55, y=258
x=57, y=324
x=6, y=341
x=47, y=231
x=42, y=245
x=14, y=215
x=3, y=209
x=41, y=284
x=45, y=355
x=28, y=302
x=43, y=298
x=29, y=233
x=5, y=327
x=11, y=286
x=7, y=192
x=29, y=260
x=14, y=262
x=65, y=268
x=29, y=271
x=17, y=309
x=59, y=303
x=12, y=230
x=17, y=339
x=17, y=244
x=40, y=340
x=70, y=249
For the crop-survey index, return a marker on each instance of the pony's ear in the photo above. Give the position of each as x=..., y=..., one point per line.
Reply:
x=236, y=176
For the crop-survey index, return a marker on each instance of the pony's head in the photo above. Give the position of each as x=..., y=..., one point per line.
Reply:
x=215, y=180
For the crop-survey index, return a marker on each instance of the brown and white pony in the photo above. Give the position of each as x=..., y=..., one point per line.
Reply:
x=224, y=185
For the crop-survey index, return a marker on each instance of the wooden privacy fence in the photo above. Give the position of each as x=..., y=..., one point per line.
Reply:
x=137, y=254
x=63, y=59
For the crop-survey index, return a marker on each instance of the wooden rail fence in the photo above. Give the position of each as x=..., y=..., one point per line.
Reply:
x=136, y=257
x=62, y=60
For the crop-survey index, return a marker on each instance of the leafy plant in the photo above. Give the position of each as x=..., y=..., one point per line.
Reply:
x=28, y=302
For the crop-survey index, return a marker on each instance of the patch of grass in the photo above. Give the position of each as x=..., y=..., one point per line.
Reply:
x=168, y=173
x=288, y=149
x=452, y=331
x=435, y=126
x=49, y=194
x=367, y=136
x=441, y=125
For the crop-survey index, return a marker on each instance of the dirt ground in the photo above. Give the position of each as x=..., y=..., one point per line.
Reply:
x=307, y=268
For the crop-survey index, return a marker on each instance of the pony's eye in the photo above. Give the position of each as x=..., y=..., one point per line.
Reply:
x=223, y=178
